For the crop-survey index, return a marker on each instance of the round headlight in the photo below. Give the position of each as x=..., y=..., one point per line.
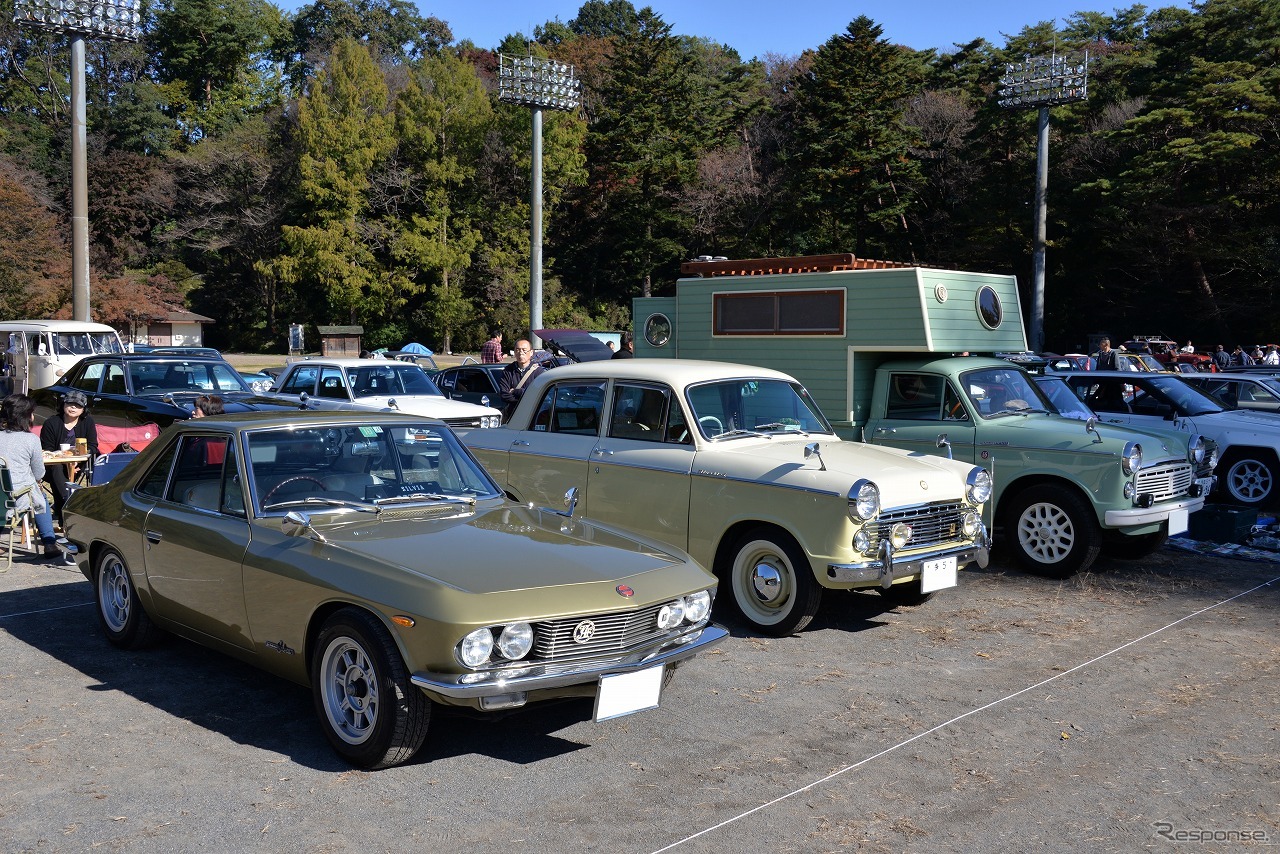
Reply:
x=978, y=486
x=669, y=616
x=697, y=606
x=476, y=648
x=971, y=524
x=1213, y=458
x=864, y=501
x=900, y=535
x=1195, y=450
x=1132, y=458
x=862, y=540
x=515, y=641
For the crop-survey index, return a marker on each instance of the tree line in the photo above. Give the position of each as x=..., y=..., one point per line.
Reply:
x=351, y=163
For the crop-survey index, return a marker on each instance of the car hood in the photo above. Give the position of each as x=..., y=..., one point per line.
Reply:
x=1059, y=433
x=1249, y=419
x=903, y=477
x=506, y=548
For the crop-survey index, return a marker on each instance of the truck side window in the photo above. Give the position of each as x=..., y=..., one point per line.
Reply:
x=916, y=397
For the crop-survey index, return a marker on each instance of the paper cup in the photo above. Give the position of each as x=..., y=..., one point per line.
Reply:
x=64, y=447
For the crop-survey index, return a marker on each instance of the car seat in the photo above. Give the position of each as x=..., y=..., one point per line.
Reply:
x=350, y=474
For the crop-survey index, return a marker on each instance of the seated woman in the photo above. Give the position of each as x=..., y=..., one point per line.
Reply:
x=71, y=423
x=21, y=453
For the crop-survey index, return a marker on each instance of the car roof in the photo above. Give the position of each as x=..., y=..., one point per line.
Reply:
x=154, y=357
x=1232, y=375
x=672, y=371
x=352, y=362
x=297, y=417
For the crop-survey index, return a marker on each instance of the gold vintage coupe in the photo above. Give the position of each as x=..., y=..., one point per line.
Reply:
x=373, y=559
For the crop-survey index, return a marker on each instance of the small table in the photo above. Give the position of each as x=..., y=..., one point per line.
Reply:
x=69, y=459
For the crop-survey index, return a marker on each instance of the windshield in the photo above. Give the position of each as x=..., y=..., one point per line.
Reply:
x=85, y=343
x=1064, y=401
x=366, y=463
x=168, y=376
x=390, y=378
x=1185, y=398
x=996, y=392
x=745, y=406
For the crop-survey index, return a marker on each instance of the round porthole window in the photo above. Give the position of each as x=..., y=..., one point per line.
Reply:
x=989, y=310
x=657, y=330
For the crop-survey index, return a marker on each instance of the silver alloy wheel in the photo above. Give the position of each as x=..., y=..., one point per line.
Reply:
x=1045, y=532
x=115, y=593
x=349, y=688
x=1250, y=480
x=764, y=582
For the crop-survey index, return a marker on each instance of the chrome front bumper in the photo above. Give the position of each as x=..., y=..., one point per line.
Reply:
x=1149, y=515
x=886, y=571
x=517, y=679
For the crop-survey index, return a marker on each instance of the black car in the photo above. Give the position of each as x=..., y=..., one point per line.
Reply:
x=133, y=389
x=209, y=352
x=474, y=383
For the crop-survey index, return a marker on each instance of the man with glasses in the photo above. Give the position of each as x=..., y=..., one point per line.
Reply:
x=516, y=377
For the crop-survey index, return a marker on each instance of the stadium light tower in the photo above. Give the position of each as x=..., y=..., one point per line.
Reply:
x=541, y=84
x=1042, y=82
x=117, y=20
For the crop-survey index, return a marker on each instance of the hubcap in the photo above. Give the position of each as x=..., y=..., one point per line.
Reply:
x=113, y=590
x=1045, y=533
x=767, y=582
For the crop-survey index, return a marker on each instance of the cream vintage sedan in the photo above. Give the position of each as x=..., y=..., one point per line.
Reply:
x=737, y=465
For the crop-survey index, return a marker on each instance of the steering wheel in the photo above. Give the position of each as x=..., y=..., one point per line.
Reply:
x=956, y=410
x=266, y=498
x=711, y=419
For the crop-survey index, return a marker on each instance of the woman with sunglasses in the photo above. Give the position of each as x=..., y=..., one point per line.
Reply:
x=70, y=424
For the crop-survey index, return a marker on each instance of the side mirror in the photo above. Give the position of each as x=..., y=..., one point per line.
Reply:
x=571, y=500
x=392, y=403
x=1091, y=427
x=296, y=524
x=944, y=442
x=813, y=449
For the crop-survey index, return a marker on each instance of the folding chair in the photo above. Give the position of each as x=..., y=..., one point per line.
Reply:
x=15, y=518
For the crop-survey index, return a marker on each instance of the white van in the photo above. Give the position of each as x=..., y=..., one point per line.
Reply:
x=38, y=352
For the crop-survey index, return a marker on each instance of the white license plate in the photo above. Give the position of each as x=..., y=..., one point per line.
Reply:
x=1206, y=484
x=625, y=693
x=937, y=574
x=1178, y=521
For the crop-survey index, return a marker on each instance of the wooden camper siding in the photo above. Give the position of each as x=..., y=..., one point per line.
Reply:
x=955, y=323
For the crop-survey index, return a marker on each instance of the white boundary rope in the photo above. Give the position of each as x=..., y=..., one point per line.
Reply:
x=957, y=718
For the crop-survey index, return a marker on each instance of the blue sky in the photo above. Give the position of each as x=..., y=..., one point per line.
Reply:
x=755, y=27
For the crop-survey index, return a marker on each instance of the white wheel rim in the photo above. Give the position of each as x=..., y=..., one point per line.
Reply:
x=114, y=593
x=764, y=583
x=1045, y=533
x=1249, y=480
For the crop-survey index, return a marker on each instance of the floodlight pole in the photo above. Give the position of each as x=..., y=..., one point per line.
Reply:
x=119, y=20
x=1042, y=82
x=79, y=186
x=539, y=84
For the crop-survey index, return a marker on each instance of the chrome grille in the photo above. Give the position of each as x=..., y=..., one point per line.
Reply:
x=931, y=524
x=469, y=421
x=614, y=633
x=1166, y=480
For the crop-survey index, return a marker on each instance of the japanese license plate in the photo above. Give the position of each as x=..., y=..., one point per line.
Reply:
x=624, y=693
x=1178, y=521
x=937, y=574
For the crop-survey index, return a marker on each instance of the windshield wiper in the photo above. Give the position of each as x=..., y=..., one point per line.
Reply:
x=425, y=496
x=362, y=506
x=785, y=428
x=738, y=433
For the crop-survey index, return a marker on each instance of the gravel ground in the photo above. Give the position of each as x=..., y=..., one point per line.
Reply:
x=1129, y=709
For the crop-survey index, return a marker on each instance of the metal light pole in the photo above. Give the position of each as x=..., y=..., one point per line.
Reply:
x=1042, y=82
x=540, y=84
x=117, y=20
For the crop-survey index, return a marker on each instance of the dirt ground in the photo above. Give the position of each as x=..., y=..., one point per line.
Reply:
x=1133, y=708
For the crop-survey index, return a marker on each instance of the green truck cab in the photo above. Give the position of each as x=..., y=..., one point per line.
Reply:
x=883, y=348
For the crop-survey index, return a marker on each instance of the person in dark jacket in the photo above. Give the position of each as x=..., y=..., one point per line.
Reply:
x=514, y=380
x=627, y=349
x=1105, y=357
x=70, y=424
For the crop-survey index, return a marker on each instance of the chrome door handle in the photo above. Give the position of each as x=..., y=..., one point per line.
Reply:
x=154, y=537
x=602, y=452
x=880, y=430
x=520, y=443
